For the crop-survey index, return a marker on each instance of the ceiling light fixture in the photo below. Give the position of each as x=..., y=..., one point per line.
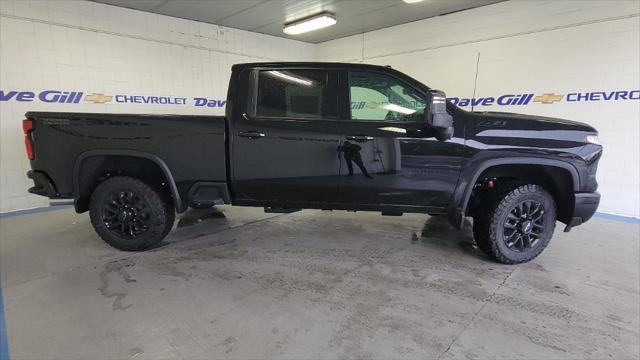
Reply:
x=412, y=1
x=290, y=78
x=394, y=129
x=310, y=23
x=398, y=109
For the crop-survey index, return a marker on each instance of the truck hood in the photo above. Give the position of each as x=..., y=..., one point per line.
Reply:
x=513, y=121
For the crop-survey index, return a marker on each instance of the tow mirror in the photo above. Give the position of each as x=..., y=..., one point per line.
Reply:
x=438, y=118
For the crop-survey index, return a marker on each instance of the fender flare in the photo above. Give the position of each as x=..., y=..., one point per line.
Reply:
x=180, y=206
x=463, y=193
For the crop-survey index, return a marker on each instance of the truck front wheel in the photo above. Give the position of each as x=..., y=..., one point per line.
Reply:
x=129, y=214
x=513, y=224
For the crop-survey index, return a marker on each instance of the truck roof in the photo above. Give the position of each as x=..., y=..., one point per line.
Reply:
x=327, y=65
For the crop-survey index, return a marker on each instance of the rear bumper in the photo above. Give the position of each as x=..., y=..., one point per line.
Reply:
x=42, y=184
x=584, y=207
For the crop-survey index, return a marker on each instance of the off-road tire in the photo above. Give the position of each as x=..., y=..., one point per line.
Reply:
x=155, y=209
x=491, y=216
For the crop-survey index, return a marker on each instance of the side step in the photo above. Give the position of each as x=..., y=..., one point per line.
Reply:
x=58, y=202
x=279, y=210
x=391, y=213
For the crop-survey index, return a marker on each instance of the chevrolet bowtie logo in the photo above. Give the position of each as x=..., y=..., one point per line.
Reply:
x=548, y=98
x=98, y=98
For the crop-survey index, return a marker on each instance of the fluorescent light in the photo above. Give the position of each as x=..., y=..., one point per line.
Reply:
x=398, y=108
x=412, y=1
x=309, y=24
x=394, y=129
x=290, y=78
x=439, y=99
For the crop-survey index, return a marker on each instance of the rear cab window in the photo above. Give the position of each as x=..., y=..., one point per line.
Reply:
x=296, y=93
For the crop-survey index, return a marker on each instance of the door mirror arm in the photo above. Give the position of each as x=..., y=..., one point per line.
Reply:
x=438, y=119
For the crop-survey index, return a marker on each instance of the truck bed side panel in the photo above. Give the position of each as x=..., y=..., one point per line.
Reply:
x=192, y=146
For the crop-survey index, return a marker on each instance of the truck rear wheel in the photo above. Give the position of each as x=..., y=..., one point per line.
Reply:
x=129, y=214
x=514, y=223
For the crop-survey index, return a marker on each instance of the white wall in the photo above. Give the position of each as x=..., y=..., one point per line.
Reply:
x=95, y=48
x=538, y=47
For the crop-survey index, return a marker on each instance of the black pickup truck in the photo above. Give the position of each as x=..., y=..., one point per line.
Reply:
x=322, y=136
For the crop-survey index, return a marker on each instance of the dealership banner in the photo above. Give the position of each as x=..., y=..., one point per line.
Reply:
x=510, y=99
x=547, y=98
x=76, y=97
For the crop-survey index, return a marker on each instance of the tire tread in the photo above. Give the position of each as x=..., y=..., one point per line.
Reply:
x=486, y=225
x=157, y=200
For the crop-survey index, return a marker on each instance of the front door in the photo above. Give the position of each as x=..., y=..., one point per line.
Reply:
x=388, y=155
x=284, y=147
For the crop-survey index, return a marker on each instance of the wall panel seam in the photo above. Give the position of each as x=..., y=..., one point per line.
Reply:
x=136, y=37
x=505, y=36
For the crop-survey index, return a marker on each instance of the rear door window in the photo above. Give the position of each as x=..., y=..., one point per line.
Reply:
x=296, y=94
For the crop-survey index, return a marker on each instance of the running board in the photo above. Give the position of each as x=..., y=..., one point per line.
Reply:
x=391, y=213
x=60, y=202
x=279, y=210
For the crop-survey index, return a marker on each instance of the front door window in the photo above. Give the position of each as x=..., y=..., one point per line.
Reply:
x=378, y=97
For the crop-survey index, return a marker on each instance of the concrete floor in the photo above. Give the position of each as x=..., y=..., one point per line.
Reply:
x=238, y=283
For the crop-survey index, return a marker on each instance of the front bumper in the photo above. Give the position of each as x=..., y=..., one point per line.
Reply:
x=584, y=207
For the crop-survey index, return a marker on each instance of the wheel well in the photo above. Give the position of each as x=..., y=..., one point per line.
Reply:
x=95, y=169
x=556, y=180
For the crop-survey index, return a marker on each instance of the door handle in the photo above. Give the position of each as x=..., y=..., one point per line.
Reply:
x=359, y=138
x=252, y=134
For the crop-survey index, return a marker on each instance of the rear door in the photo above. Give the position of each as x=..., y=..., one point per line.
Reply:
x=284, y=146
x=394, y=158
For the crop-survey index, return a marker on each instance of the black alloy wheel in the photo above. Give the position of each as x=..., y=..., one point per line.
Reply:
x=129, y=214
x=524, y=226
x=126, y=214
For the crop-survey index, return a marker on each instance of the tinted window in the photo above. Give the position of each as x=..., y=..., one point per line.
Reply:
x=383, y=98
x=294, y=93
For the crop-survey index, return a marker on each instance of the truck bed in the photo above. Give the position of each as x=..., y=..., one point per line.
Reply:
x=192, y=147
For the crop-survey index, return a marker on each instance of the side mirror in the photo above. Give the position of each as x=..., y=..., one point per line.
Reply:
x=438, y=118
